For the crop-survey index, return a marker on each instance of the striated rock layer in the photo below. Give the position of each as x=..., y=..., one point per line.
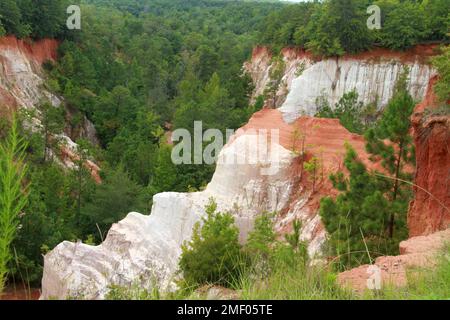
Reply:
x=22, y=87
x=373, y=75
x=250, y=177
x=430, y=210
x=20, y=72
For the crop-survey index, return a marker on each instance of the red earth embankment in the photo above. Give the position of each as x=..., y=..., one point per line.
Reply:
x=430, y=210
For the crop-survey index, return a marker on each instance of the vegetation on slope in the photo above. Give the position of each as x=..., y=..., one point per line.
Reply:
x=139, y=68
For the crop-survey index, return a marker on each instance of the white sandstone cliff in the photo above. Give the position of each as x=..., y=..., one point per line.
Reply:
x=145, y=249
x=307, y=79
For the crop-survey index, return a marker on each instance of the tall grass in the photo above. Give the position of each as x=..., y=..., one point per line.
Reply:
x=13, y=194
x=293, y=280
x=291, y=277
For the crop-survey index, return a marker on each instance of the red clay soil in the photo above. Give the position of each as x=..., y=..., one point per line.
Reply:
x=259, y=51
x=8, y=103
x=420, y=53
x=429, y=101
x=417, y=53
x=39, y=51
x=324, y=138
x=428, y=213
x=296, y=53
x=20, y=292
x=417, y=252
x=67, y=155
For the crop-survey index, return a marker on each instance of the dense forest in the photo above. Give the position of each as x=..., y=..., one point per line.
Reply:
x=139, y=68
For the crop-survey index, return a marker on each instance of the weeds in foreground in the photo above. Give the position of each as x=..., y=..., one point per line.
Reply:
x=289, y=278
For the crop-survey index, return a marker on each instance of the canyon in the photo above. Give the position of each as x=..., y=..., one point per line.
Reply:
x=144, y=250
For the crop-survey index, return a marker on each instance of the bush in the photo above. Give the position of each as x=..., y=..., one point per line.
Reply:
x=214, y=254
x=262, y=237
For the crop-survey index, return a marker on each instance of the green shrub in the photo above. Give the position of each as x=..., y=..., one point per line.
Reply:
x=262, y=237
x=214, y=254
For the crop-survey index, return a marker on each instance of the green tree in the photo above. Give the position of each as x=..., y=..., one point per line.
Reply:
x=47, y=17
x=11, y=19
x=214, y=254
x=52, y=121
x=262, y=237
x=312, y=166
x=206, y=62
x=111, y=201
x=113, y=111
x=404, y=26
x=165, y=172
x=81, y=177
x=394, y=126
x=47, y=220
x=341, y=28
x=299, y=246
x=359, y=216
x=437, y=19
x=348, y=110
x=13, y=194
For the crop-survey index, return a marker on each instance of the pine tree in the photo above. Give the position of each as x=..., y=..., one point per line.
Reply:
x=404, y=26
x=165, y=172
x=13, y=194
x=214, y=252
x=394, y=126
x=359, y=216
x=312, y=167
x=111, y=201
x=52, y=125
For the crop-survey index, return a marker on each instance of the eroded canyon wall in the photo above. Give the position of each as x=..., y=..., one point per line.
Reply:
x=145, y=249
x=373, y=75
x=22, y=87
x=430, y=210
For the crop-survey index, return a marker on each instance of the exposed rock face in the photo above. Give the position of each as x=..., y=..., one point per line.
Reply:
x=419, y=251
x=138, y=250
x=146, y=248
x=428, y=213
x=259, y=67
x=20, y=72
x=22, y=86
x=372, y=75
